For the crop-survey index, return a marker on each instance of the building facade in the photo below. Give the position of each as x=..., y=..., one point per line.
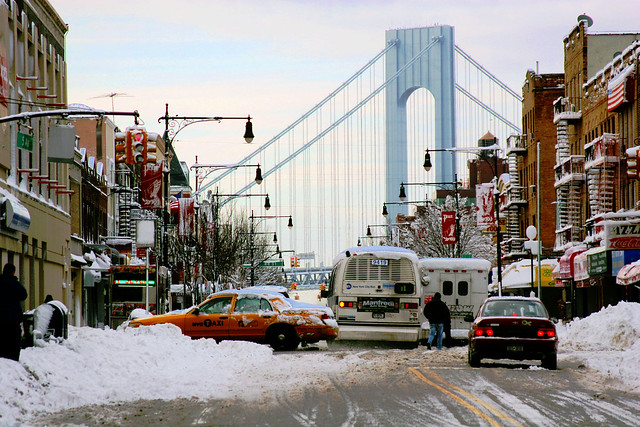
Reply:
x=596, y=123
x=34, y=179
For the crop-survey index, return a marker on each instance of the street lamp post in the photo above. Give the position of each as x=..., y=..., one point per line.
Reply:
x=172, y=126
x=455, y=183
x=215, y=208
x=252, y=232
x=479, y=150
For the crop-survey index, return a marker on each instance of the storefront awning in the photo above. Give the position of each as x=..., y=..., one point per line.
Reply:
x=517, y=275
x=565, y=263
x=580, y=271
x=629, y=274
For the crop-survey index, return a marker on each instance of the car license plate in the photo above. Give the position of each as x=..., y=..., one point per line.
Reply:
x=515, y=348
x=378, y=315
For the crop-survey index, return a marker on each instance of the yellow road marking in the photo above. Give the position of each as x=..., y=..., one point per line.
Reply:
x=490, y=407
x=458, y=399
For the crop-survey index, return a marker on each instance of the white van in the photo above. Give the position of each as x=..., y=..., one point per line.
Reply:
x=463, y=284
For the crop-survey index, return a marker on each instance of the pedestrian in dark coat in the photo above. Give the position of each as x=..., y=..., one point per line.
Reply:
x=11, y=294
x=437, y=313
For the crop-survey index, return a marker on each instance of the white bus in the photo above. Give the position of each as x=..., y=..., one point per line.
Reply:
x=376, y=294
x=463, y=284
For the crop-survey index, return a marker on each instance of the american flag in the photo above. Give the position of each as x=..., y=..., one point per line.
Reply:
x=175, y=204
x=616, y=89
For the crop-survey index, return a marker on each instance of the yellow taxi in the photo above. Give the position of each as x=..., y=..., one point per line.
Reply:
x=252, y=315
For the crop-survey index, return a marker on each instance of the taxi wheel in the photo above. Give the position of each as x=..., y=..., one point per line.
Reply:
x=283, y=338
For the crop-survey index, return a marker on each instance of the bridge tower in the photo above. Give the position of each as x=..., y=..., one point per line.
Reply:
x=430, y=53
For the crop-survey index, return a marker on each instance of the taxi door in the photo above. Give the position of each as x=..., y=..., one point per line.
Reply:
x=210, y=319
x=250, y=318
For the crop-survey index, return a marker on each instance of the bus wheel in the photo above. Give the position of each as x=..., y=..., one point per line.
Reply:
x=283, y=338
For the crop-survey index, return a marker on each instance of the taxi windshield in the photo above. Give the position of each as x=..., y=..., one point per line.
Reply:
x=514, y=308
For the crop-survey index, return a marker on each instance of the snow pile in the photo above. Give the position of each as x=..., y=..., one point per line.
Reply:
x=108, y=366
x=612, y=328
x=607, y=341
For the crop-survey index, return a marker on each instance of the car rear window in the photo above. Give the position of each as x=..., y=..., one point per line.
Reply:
x=514, y=308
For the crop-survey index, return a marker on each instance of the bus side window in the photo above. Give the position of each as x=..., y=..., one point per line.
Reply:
x=463, y=288
x=447, y=287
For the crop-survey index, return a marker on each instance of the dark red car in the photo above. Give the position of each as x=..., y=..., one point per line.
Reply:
x=513, y=328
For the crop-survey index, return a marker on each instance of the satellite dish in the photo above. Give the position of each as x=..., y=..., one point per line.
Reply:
x=587, y=19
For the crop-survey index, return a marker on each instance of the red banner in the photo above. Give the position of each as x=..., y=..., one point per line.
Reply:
x=186, y=216
x=151, y=186
x=449, y=227
x=485, y=204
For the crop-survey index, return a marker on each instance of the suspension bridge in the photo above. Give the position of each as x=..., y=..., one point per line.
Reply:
x=334, y=167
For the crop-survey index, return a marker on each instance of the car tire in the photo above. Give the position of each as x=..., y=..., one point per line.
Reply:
x=550, y=361
x=473, y=358
x=283, y=338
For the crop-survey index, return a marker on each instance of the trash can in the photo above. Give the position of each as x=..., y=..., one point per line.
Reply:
x=50, y=321
x=27, y=329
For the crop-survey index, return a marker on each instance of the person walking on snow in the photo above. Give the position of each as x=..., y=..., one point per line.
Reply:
x=11, y=294
x=437, y=312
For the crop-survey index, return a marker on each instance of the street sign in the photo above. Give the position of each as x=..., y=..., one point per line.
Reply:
x=25, y=141
x=267, y=263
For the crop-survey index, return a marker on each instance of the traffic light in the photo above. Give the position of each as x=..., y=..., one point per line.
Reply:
x=152, y=147
x=632, y=163
x=293, y=261
x=136, y=145
x=121, y=147
x=297, y=261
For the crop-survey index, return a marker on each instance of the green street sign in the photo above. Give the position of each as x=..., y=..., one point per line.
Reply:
x=25, y=141
x=268, y=263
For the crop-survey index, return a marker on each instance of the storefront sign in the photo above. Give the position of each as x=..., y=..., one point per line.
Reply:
x=598, y=261
x=621, y=258
x=621, y=236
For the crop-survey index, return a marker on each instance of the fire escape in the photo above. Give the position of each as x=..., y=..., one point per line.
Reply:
x=602, y=156
x=569, y=179
x=513, y=239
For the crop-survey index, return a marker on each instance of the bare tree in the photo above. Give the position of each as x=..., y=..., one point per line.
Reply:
x=424, y=234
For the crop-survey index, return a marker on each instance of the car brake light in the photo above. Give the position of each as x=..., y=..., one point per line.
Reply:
x=480, y=331
x=410, y=305
x=546, y=332
x=348, y=304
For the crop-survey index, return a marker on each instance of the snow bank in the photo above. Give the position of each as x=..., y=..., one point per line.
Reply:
x=107, y=366
x=607, y=341
x=612, y=328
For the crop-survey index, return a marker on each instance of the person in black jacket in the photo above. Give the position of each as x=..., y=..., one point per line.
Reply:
x=437, y=313
x=11, y=294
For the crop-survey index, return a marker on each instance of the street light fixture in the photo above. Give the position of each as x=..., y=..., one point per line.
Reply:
x=252, y=232
x=456, y=184
x=481, y=150
x=172, y=126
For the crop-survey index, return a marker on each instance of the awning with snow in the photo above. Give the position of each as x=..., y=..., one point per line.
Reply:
x=517, y=275
x=629, y=274
x=580, y=270
x=565, y=263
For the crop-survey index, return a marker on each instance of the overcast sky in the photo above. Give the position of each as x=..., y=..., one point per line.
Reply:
x=275, y=59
